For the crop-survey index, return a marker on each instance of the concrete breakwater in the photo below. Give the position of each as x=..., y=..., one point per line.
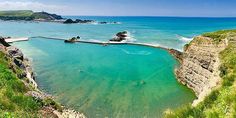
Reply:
x=176, y=53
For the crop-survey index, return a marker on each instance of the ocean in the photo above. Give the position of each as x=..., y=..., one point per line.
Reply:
x=119, y=81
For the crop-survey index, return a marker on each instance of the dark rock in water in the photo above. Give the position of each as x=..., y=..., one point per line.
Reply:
x=88, y=21
x=103, y=23
x=72, y=40
x=78, y=20
x=84, y=21
x=69, y=21
x=120, y=36
x=142, y=82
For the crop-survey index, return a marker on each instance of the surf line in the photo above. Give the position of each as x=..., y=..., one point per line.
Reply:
x=106, y=43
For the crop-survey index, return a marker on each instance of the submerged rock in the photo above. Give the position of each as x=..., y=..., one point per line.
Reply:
x=142, y=82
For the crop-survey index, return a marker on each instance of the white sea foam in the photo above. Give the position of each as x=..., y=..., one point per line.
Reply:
x=136, y=53
x=184, y=39
x=130, y=38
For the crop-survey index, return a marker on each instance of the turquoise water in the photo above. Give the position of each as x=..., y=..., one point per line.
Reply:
x=114, y=81
x=165, y=31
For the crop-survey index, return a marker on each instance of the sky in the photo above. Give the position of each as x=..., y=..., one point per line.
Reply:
x=187, y=8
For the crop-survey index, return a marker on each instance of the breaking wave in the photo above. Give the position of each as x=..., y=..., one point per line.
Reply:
x=184, y=39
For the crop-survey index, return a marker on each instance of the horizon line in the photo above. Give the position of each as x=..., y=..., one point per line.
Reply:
x=153, y=16
x=178, y=16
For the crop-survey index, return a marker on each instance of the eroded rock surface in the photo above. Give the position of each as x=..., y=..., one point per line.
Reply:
x=200, y=65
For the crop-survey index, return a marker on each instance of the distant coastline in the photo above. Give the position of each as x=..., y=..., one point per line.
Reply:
x=29, y=15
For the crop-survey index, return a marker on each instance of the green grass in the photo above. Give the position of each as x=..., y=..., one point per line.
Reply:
x=17, y=13
x=12, y=90
x=13, y=102
x=219, y=35
x=221, y=102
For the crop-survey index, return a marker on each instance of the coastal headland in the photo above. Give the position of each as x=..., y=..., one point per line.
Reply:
x=29, y=15
x=208, y=68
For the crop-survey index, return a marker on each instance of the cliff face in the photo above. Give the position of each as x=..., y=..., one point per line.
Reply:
x=200, y=65
x=20, y=66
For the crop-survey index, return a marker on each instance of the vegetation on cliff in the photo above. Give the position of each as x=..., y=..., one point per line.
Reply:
x=27, y=15
x=14, y=102
x=222, y=101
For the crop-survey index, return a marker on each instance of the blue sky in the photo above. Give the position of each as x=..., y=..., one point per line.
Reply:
x=205, y=8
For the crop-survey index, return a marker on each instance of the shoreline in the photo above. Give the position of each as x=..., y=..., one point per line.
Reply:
x=18, y=60
x=175, y=53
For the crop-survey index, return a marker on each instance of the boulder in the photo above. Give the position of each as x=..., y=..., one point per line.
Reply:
x=84, y=21
x=120, y=36
x=103, y=23
x=16, y=53
x=3, y=42
x=69, y=21
x=72, y=40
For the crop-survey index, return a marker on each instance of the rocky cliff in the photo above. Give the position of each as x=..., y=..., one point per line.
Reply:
x=200, y=65
x=22, y=69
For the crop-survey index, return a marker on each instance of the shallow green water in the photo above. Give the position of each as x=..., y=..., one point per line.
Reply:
x=114, y=81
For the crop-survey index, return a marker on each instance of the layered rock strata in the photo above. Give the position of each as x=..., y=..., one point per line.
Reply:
x=199, y=68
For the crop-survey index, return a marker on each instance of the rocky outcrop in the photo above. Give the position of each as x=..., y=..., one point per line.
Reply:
x=120, y=36
x=200, y=65
x=72, y=40
x=80, y=21
x=177, y=54
x=22, y=68
x=3, y=42
x=45, y=16
x=70, y=21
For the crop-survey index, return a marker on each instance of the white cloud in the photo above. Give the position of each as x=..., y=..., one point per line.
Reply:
x=29, y=5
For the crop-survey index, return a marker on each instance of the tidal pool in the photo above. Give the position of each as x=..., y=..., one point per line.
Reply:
x=120, y=81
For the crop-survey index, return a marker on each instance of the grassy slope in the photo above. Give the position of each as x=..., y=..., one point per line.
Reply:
x=17, y=13
x=222, y=101
x=13, y=102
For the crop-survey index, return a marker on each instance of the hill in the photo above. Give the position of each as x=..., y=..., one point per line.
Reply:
x=28, y=15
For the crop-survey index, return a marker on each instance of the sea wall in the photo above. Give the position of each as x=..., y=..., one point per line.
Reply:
x=199, y=68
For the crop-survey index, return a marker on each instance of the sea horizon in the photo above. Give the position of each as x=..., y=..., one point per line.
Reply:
x=117, y=66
